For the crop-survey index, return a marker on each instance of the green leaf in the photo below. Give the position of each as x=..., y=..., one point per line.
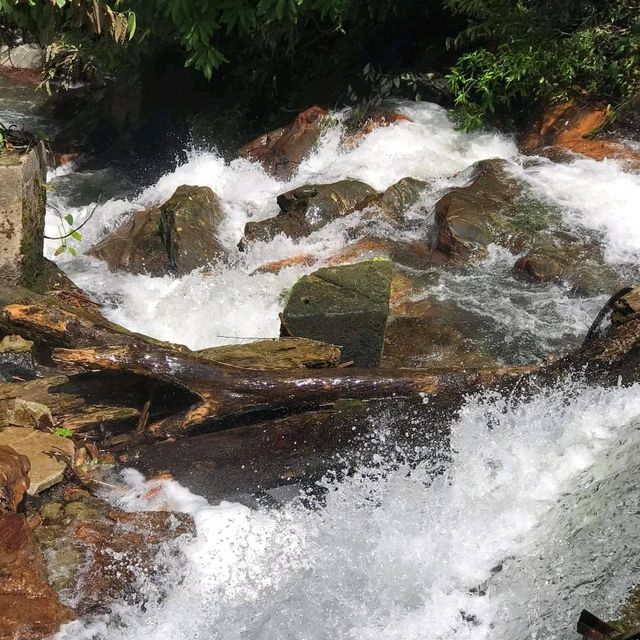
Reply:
x=68, y=218
x=76, y=235
x=61, y=249
x=131, y=24
x=63, y=432
x=72, y=251
x=61, y=3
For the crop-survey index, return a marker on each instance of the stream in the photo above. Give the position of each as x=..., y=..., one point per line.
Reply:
x=534, y=513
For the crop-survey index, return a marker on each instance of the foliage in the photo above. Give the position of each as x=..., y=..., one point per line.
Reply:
x=63, y=432
x=378, y=86
x=543, y=50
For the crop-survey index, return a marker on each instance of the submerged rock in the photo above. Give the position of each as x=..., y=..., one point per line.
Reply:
x=14, y=478
x=29, y=608
x=272, y=355
x=346, y=306
x=281, y=151
x=430, y=335
x=561, y=258
x=309, y=208
x=95, y=553
x=176, y=238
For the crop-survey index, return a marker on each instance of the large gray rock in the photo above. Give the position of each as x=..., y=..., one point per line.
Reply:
x=22, y=208
x=24, y=56
x=309, y=208
x=346, y=306
x=176, y=238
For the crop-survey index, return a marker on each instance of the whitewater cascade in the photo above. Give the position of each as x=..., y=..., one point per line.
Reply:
x=533, y=516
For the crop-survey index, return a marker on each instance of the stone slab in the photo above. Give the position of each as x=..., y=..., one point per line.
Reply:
x=48, y=454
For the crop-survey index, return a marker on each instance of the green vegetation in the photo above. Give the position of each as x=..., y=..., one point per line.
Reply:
x=499, y=56
x=543, y=50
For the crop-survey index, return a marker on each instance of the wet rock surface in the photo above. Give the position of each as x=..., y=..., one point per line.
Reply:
x=14, y=478
x=272, y=355
x=97, y=554
x=48, y=454
x=468, y=219
x=175, y=238
x=16, y=359
x=581, y=127
x=309, y=208
x=561, y=258
x=281, y=151
x=29, y=608
x=431, y=335
x=346, y=306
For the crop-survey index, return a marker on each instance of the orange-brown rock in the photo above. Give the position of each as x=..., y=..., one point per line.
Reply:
x=276, y=266
x=21, y=76
x=14, y=478
x=29, y=607
x=281, y=151
x=568, y=127
x=374, y=121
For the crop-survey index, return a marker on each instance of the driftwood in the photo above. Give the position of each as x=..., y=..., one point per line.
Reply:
x=86, y=342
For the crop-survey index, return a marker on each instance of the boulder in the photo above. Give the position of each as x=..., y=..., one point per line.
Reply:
x=96, y=553
x=24, y=56
x=23, y=179
x=371, y=123
x=282, y=151
x=571, y=127
x=48, y=454
x=493, y=208
x=309, y=208
x=14, y=478
x=401, y=196
x=176, y=238
x=29, y=608
x=272, y=355
x=346, y=306
x=561, y=258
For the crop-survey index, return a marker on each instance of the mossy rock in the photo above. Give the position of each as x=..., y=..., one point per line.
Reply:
x=347, y=306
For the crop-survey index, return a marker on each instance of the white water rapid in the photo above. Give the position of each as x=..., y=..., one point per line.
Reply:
x=535, y=514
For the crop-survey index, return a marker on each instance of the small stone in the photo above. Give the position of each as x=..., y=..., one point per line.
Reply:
x=29, y=414
x=52, y=511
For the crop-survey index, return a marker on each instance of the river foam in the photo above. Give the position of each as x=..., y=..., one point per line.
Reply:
x=233, y=302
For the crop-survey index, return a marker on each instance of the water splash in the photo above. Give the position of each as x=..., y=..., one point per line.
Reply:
x=484, y=547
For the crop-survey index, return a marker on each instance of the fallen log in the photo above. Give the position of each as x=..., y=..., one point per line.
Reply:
x=221, y=391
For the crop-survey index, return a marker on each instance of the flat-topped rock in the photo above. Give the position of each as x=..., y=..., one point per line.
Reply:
x=272, y=355
x=346, y=306
x=47, y=453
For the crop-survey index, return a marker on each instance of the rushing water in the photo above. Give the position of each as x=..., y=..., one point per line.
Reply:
x=533, y=516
